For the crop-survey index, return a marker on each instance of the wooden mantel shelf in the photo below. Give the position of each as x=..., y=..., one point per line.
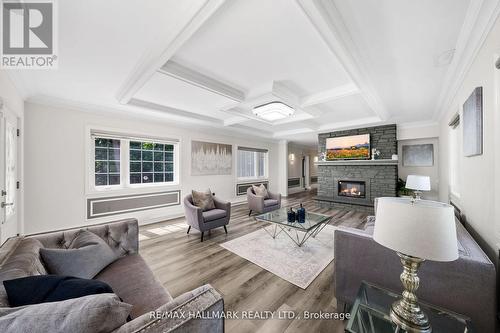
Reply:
x=358, y=162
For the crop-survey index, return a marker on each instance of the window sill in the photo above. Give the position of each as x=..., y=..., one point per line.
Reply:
x=251, y=180
x=132, y=189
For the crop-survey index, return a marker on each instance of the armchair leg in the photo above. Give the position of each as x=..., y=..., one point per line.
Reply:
x=225, y=229
x=250, y=213
x=202, y=236
x=189, y=229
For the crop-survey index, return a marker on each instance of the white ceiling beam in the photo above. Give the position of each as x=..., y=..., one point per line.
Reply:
x=286, y=133
x=283, y=92
x=176, y=114
x=350, y=124
x=235, y=120
x=327, y=20
x=189, y=21
x=180, y=72
x=329, y=95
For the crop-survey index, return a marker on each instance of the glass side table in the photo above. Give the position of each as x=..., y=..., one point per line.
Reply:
x=370, y=314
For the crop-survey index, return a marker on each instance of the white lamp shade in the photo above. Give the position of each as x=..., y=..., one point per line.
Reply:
x=419, y=183
x=423, y=229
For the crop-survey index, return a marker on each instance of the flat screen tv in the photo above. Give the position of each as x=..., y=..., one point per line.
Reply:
x=354, y=147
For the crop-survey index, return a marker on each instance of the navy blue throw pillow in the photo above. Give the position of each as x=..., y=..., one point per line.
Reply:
x=51, y=288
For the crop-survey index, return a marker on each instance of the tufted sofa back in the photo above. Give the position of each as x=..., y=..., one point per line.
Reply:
x=22, y=256
x=121, y=236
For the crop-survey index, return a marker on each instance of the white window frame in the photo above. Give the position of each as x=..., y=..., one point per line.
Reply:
x=125, y=185
x=256, y=167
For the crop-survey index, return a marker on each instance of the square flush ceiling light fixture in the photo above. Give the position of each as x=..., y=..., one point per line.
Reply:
x=273, y=111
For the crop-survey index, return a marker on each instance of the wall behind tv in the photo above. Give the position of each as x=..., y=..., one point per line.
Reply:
x=384, y=138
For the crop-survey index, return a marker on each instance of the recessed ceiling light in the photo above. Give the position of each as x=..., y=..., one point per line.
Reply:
x=273, y=111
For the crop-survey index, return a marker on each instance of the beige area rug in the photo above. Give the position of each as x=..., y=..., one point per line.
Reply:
x=282, y=257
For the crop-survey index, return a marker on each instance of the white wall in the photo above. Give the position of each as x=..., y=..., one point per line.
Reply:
x=417, y=131
x=13, y=101
x=480, y=175
x=295, y=166
x=56, y=159
x=431, y=171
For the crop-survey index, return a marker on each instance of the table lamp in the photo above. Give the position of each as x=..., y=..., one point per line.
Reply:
x=418, y=184
x=418, y=231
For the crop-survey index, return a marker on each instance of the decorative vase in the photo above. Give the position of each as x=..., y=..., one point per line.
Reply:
x=301, y=214
x=291, y=215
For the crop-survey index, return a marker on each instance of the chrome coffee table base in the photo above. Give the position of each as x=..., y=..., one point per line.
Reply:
x=299, y=237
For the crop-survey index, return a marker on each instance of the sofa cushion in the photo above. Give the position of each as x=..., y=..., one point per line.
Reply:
x=213, y=214
x=86, y=256
x=133, y=281
x=93, y=314
x=51, y=288
x=270, y=202
x=22, y=259
x=204, y=200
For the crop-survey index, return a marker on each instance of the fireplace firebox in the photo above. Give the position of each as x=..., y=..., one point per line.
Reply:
x=352, y=189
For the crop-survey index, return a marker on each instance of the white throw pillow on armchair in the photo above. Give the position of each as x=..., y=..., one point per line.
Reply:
x=260, y=191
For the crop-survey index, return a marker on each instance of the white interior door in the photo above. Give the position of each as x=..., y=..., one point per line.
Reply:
x=307, y=173
x=9, y=224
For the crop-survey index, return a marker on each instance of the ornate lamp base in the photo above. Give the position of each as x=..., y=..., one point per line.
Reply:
x=406, y=312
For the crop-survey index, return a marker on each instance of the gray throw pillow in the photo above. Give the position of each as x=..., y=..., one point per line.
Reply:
x=101, y=313
x=204, y=200
x=86, y=256
x=260, y=191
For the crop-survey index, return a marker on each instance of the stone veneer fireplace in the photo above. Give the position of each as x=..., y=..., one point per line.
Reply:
x=355, y=184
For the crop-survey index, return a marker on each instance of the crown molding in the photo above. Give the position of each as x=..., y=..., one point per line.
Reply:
x=480, y=19
x=157, y=57
x=135, y=108
x=330, y=95
x=418, y=124
x=328, y=22
x=137, y=111
x=183, y=73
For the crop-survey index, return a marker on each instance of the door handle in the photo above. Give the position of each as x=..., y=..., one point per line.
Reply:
x=4, y=204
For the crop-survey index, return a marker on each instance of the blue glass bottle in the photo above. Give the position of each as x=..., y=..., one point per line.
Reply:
x=301, y=214
x=291, y=215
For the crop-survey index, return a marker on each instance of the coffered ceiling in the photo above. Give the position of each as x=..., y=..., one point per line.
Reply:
x=338, y=63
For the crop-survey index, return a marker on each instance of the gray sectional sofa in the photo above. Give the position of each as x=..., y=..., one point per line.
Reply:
x=466, y=286
x=129, y=276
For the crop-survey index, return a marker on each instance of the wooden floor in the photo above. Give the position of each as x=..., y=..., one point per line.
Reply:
x=182, y=263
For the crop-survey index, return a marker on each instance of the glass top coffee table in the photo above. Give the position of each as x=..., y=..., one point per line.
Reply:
x=298, y=232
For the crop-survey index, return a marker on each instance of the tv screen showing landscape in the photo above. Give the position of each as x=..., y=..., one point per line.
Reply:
x=354, y=147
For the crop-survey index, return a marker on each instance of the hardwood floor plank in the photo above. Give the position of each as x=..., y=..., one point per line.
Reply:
x=181, y=262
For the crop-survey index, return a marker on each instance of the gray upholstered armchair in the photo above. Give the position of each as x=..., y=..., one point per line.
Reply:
x=260, y=205
x=207, y=220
